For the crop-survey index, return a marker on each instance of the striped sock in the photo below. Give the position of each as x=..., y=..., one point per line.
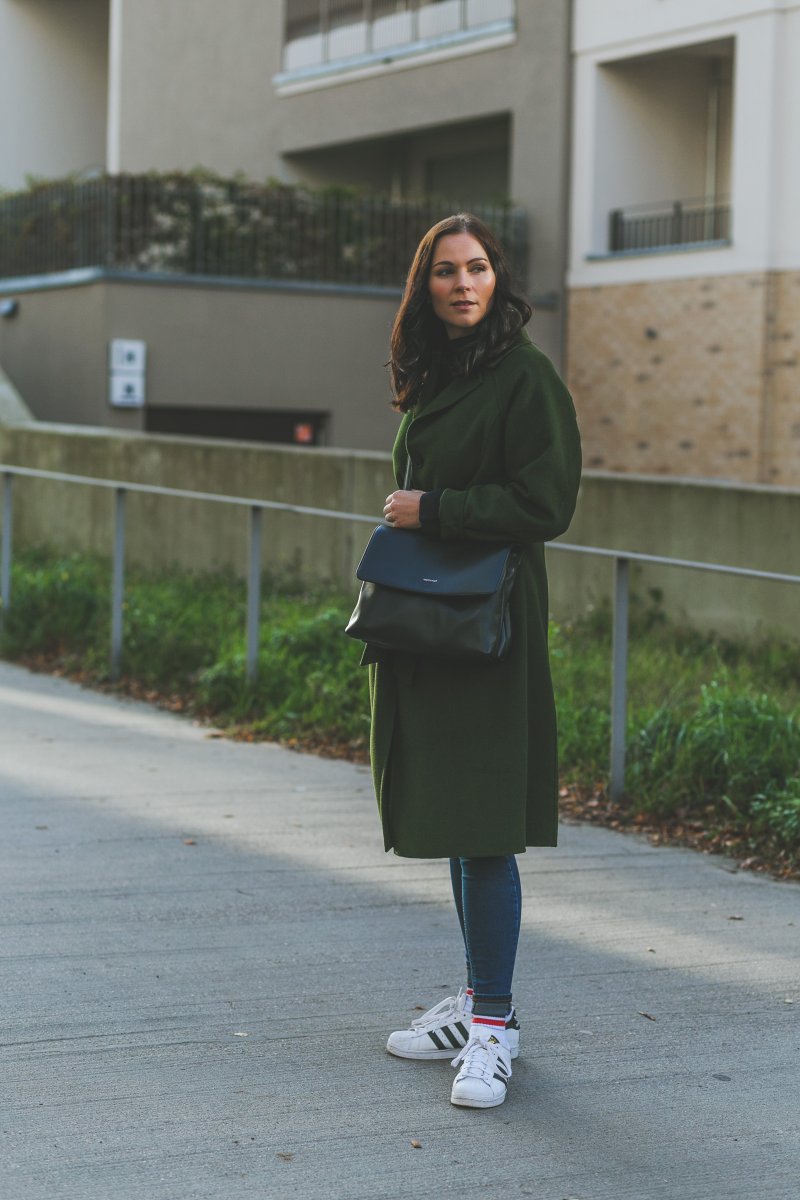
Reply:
x=486, y=1027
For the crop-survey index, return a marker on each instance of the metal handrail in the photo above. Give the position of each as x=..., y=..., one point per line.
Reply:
x=622, y=560
x=182, y=493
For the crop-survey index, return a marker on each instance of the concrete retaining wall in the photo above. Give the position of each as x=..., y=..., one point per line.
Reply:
x=247, y=346
x=738, y=525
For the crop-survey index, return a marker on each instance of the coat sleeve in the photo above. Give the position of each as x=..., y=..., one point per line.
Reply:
x=542, y=466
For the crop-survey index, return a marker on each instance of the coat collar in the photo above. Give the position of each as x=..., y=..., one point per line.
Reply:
x=458, y=388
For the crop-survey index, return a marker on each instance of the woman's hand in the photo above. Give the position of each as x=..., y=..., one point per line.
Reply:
x=402, y=510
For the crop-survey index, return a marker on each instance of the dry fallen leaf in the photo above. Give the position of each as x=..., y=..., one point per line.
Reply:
x=189, y=842
x=644, y=1014
x=284, y=1156
x=735, y=917
x=417, y=1145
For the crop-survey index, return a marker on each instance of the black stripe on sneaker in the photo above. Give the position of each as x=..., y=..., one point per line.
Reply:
x=438, y=1043
x=462, y=1029
x=451, y=1037
x=512, y=1022
x=501, y=1078
x=502, y=1067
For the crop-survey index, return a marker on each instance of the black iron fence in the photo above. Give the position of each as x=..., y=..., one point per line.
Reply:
x=682, y=223
x=215, y=227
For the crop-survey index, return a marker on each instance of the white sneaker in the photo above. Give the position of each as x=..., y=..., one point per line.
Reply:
x=443, y=1029
x=485, y=1071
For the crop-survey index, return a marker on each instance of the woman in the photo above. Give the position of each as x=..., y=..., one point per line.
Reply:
x=464, y=755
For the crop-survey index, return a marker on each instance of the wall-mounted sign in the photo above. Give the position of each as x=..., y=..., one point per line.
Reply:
x=127, y=355
x=127, y=360
x=127, y=391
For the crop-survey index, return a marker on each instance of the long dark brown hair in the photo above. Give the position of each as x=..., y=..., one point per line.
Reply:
x=418, y=333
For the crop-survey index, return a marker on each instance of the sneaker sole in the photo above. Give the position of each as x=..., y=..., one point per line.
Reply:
x=434, y=1054
x=421, y=1055
x=465, y=1103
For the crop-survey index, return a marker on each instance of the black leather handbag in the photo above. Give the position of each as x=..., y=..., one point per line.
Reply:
x=442, y=598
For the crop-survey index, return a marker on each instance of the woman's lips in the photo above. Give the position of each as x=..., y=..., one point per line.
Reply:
x=463, y=304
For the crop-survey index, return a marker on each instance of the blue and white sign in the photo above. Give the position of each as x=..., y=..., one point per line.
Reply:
x=128, y=355
x=127, y=360
x=127, y=391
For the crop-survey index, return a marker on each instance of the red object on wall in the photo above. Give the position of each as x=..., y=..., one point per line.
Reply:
x=304, y=433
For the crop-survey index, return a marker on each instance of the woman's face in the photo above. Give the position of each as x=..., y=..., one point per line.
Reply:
x=461, y=283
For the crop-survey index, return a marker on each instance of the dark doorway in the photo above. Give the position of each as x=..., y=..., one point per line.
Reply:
x=287, y=427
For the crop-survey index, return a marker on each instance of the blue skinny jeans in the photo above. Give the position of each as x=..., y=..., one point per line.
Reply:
x=488, y=898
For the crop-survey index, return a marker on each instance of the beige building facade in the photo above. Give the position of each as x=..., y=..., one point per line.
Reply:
x=465, y=100
x=684, y=275
x=663, y=256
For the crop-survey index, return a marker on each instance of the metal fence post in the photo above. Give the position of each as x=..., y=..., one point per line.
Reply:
x=5, y=552
x=254, y=592
x=677, y=224
x=118, y=583
x=619, y=678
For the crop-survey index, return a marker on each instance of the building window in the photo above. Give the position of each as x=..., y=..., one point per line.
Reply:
x=330, y=34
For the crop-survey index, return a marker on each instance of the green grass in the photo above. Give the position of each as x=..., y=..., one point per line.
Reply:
x=184, y=633
x=713, y=724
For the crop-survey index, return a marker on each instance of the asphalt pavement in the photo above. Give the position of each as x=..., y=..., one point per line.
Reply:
x=204, y=948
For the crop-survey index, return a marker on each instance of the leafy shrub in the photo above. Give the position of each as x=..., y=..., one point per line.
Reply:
x=732, y=750
x=174, y=625
x=308, y=682
x=580, y=666
x=776, y=818
x=58, y=604
x=199, y=222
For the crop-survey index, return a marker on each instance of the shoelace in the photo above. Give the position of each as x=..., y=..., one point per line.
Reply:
x=451, y=1005
x=479, y=1059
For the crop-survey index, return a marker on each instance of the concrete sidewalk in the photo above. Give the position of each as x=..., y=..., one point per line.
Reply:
x=204, y=948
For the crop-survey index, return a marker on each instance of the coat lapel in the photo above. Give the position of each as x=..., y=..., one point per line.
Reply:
x=456, y=390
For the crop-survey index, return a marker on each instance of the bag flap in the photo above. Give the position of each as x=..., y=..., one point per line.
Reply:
x=409, y=561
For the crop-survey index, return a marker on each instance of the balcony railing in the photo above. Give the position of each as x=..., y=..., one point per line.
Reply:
x=181, y=225
x=335, y=31
x=659, y=226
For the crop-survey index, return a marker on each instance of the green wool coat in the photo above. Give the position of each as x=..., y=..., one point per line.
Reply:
x=464, y=755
